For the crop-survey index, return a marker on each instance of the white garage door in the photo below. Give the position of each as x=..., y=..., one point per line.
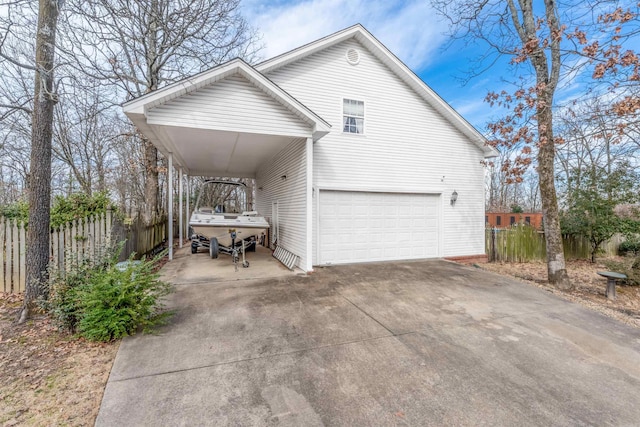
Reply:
x=361, y=226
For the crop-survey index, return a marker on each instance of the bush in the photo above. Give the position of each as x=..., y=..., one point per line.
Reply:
x=629, y=246
x=102, y=302
x=18, y=210
x=64, y=303
x=121, y=301
x=78, y=205
x=63, y=209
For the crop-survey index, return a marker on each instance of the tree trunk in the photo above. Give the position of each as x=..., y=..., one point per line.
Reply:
x=151, y=185
x=249, y=182
x=556, y=270
x=38, y=231
x=547, y=70
x=151, y=208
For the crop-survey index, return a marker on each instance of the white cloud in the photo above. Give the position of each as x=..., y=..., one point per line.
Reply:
x=410, y=29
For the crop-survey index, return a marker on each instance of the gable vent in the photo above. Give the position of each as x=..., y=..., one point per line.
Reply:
x=353, y=56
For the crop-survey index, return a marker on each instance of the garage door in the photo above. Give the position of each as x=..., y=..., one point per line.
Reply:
x=362, y=226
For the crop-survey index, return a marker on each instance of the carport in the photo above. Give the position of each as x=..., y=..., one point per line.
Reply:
x=231, y=121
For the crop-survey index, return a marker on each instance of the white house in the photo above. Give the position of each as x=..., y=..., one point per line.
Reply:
x=355, y=158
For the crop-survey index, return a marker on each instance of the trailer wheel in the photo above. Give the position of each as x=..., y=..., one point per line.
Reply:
x=194, y=248
x=213, y=247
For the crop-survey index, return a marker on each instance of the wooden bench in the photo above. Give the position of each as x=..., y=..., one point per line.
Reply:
x=612, y=276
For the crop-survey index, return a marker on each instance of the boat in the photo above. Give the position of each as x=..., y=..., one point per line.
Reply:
x=217, y=229
x=206, y=223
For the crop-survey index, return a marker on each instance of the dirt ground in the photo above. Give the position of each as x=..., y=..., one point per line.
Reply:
x=589, y=287
x=48, y=378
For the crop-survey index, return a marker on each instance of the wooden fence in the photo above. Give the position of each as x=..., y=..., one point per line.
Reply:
x=523, y=244
x=80, y=239
x=140, y=238
x=77, y=240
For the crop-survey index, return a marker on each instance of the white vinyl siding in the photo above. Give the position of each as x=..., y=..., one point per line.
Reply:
x=408, y=145
x=357, y=226
x=290, y=195
x=232, y=104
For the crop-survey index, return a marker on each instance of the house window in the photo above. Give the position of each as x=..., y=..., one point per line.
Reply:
x=512, y=220
x=527, y=219
x=352, y=116
x=498, y=220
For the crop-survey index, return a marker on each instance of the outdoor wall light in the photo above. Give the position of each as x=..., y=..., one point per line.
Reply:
x=283, y=177
x=454, y=197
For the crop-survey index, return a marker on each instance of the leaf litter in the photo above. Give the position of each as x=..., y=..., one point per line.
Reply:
x=48, y=377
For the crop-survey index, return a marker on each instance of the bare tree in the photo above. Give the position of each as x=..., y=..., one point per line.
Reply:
x=141, y=46
x=593, y=144
x=37, y=255
x=86, y=130
x=128, y=175
x=17, y=33
x=543, y=53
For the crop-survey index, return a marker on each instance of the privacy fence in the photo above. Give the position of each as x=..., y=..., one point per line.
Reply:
x=139, y=237
x=81, y=239
x=523, y=244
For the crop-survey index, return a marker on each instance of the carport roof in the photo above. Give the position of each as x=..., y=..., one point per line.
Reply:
x=203, y=149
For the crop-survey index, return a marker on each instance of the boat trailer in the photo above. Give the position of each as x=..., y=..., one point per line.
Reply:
x=237, y=248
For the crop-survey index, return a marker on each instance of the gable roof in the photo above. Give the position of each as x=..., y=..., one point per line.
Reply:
x=359, y=33
x=137, y=108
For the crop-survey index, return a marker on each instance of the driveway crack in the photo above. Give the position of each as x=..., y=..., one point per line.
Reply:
x=368, y=315
x=253, y=358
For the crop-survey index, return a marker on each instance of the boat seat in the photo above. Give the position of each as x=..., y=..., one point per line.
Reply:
x=206, y=210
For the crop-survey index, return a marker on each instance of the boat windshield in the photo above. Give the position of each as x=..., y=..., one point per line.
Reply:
x=216, y=196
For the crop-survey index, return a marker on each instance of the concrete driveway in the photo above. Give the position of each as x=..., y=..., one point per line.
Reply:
x=406, y=343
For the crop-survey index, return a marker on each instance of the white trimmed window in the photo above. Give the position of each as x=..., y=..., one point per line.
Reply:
x=352, y=116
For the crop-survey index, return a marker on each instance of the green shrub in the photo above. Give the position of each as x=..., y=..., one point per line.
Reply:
x=64, y=303
x=63, y=209
x=629, y=246
x=18, y=210
x=102, y=301
x=78, y=205
x=120, y=301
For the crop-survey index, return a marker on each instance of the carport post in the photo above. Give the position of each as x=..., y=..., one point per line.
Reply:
x=309, y=176
x=170, y=208
x=187, y=200
x=180, y=216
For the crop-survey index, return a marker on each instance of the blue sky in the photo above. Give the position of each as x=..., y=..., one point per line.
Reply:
x=410, y=29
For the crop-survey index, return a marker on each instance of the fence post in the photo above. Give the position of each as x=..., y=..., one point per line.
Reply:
x=492, y=256
x=22, y=280
x=88, y=236
x=9, y=246
x=3, y=223
x=15, y=261
x=97, y=251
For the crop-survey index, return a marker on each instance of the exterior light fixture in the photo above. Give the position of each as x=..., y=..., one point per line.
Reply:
x=454, y=197
x=283, y=177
